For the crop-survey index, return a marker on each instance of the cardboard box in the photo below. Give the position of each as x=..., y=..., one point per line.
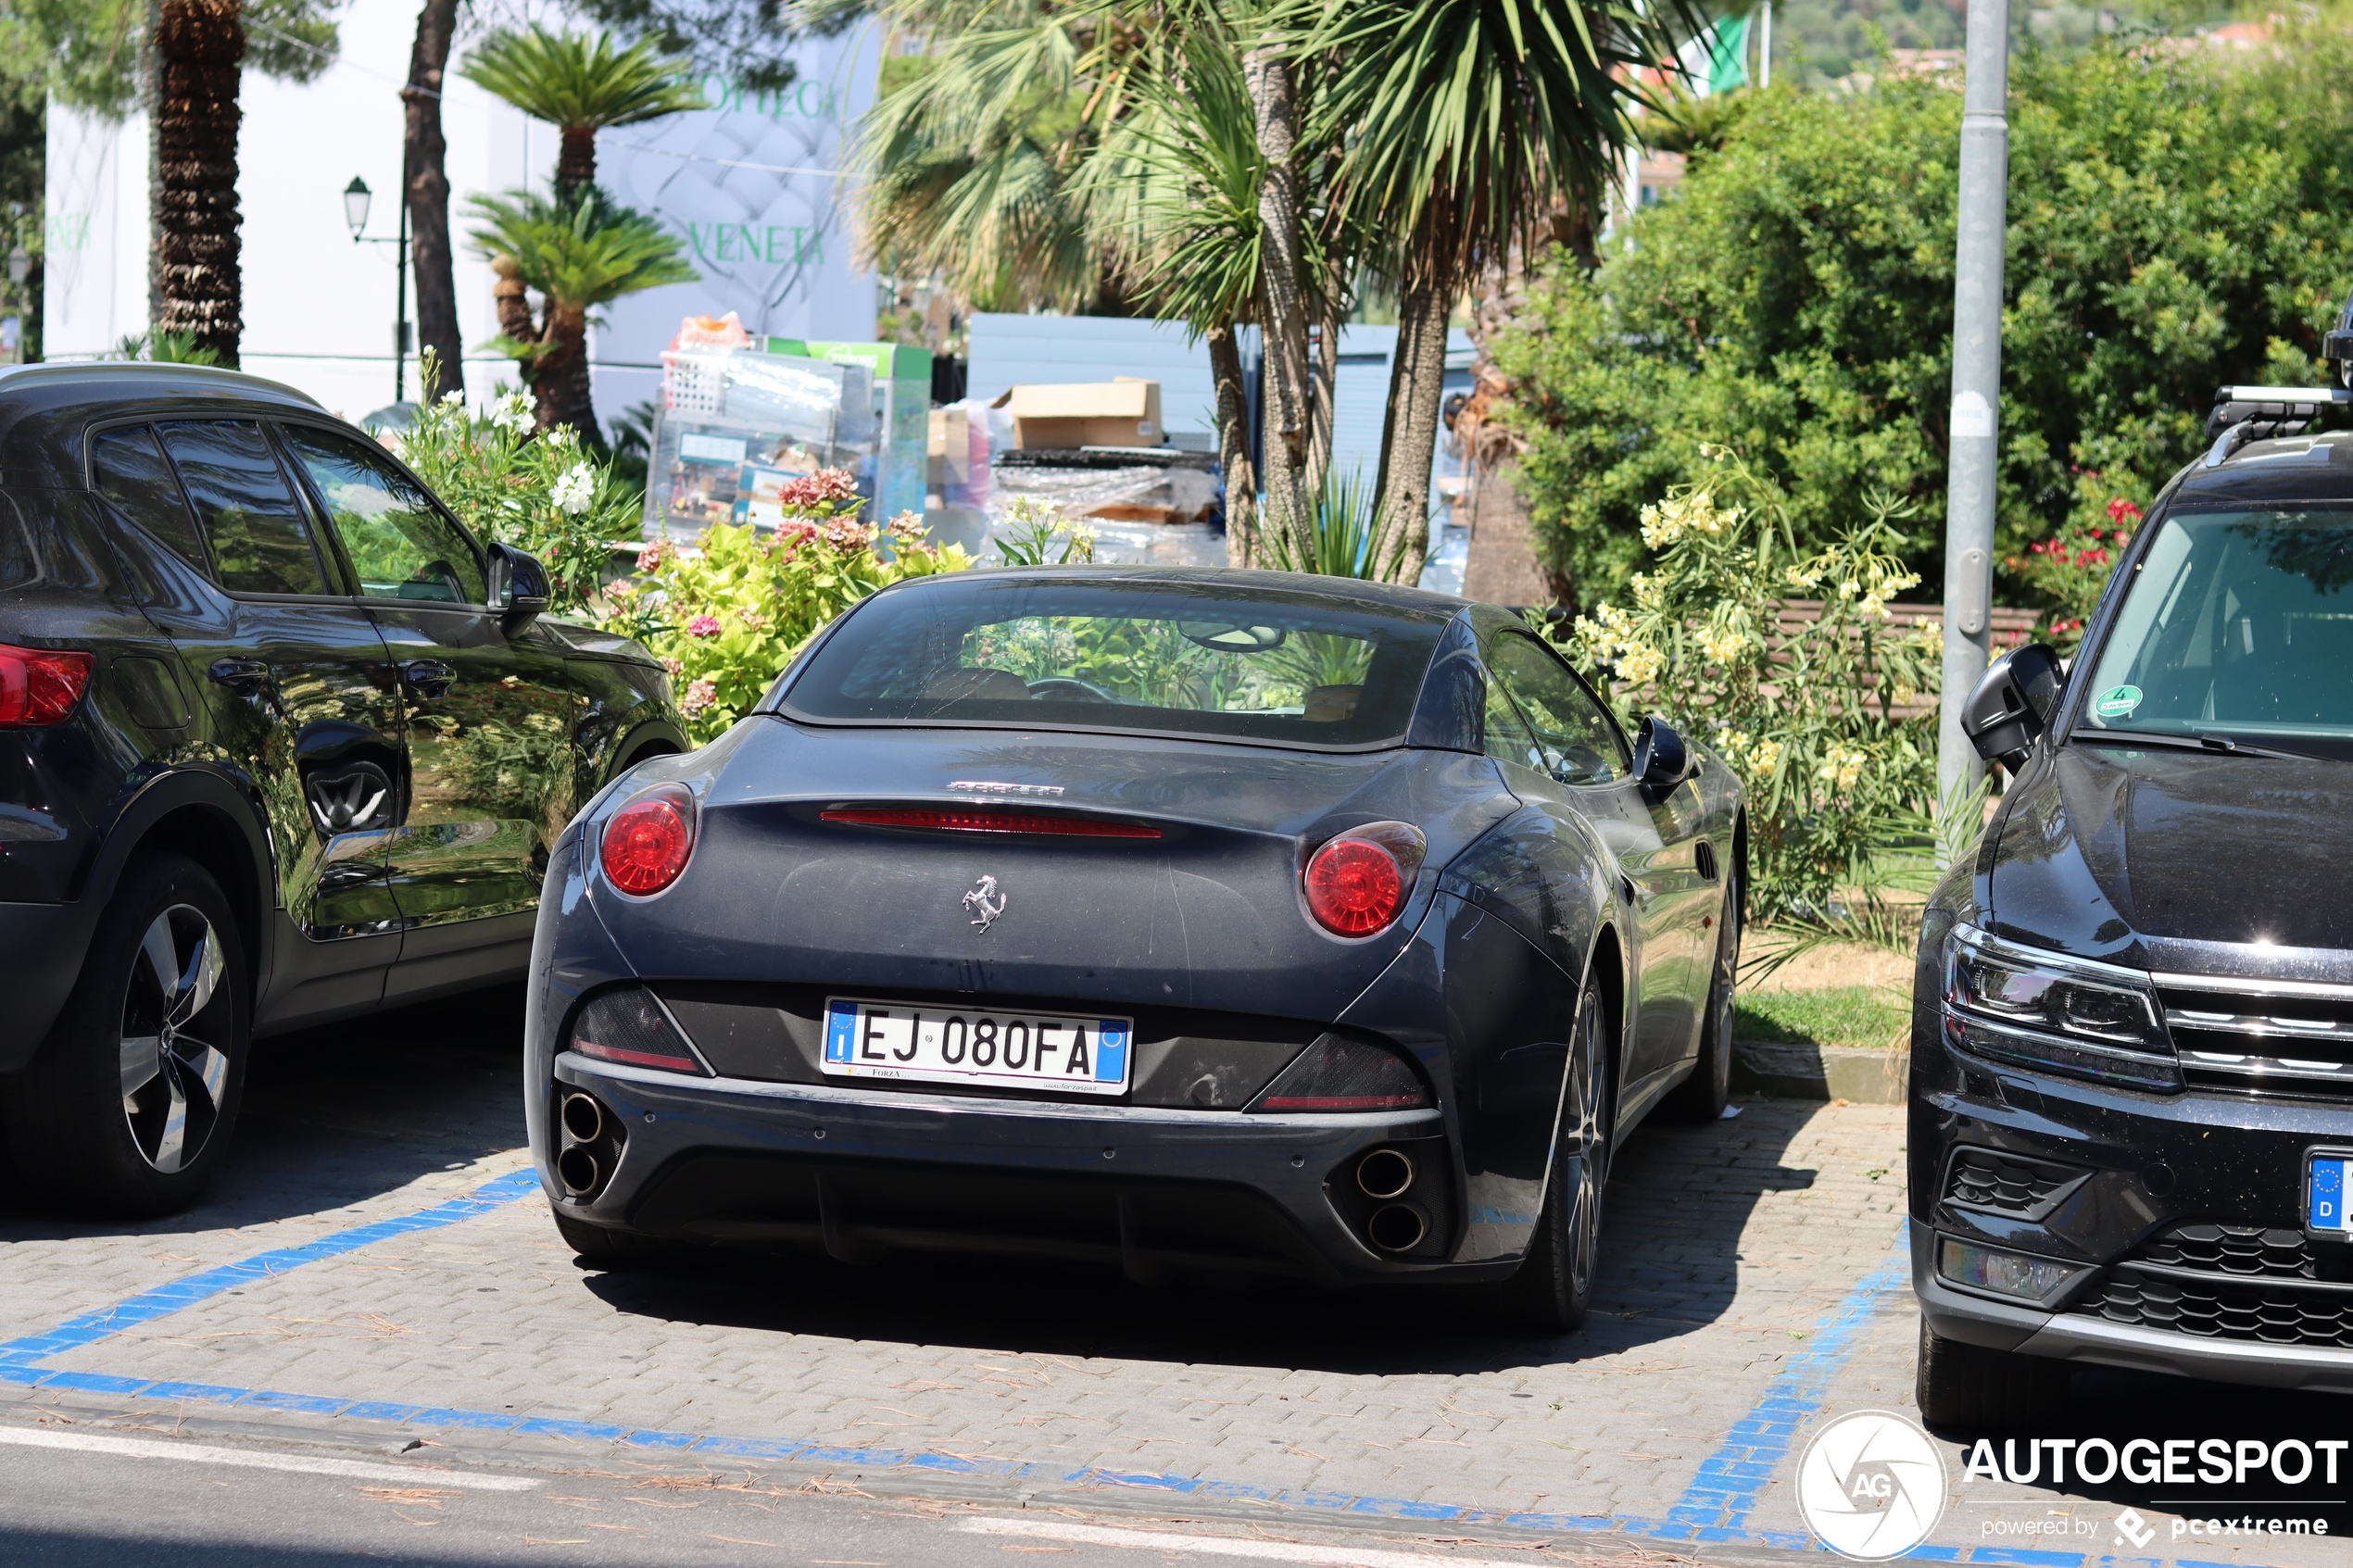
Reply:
x=1124, y=411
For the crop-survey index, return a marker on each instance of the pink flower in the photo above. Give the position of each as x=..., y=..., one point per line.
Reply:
x=846, y=536
x=676, y=667
x=698, y=699
x=822, y=488
x=703, y=626
x=651, y=557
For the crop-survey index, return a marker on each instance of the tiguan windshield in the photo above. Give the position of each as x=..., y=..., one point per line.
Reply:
x=2238, y=626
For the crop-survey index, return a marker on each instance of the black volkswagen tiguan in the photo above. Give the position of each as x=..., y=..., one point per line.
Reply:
x=2132, y=1099
x=280, y=743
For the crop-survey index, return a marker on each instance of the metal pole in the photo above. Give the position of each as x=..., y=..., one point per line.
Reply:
x=1977, y=385
x=1764, y=45
x=400, y=305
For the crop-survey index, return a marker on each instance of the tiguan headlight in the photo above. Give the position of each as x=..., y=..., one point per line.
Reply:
x=2056, y=1013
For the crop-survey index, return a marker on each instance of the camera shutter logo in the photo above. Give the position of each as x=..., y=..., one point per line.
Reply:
x=1871, y=1484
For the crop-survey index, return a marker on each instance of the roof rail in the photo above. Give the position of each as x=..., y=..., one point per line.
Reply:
x=2259, y=413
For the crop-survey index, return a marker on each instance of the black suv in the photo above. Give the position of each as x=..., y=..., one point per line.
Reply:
x=280, y=742
x=2132, y=1099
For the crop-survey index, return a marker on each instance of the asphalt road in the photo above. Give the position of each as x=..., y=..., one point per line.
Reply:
x=175, y=1504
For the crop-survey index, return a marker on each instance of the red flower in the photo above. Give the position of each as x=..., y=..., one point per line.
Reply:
x=2120, y=511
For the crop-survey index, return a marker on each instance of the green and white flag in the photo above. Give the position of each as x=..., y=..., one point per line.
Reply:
x=1717, y=61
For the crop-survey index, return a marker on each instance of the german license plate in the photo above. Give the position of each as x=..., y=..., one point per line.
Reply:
x=937, y=1045
x=2325, y=1191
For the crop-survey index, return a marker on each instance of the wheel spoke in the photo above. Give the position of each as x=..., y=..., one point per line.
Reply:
x=175, y=1128
x=163, y=961
x=206, y=1065
x=202, y=974
x=142, y=1059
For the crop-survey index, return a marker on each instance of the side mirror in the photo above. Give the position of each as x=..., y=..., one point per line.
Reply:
x=2013, y=704
x=518, y=587
x=1661, y=759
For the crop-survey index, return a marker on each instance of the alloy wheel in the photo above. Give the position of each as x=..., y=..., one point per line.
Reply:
x=174, y=1072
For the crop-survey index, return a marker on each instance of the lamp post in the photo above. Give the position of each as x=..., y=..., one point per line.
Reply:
x=355, y=200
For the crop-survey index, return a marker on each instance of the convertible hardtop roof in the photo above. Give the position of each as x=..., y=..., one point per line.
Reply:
x=1419, y=604
x=43, y=409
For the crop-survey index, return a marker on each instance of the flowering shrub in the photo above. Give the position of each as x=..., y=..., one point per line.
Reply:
x=724, y=617
x=1806, y=710
x=549, y=494
x=2073, y=570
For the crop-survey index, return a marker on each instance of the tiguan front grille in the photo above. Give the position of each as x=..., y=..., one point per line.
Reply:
x=2249, y=1251
x=2274, y=1311
x=2268, y=1037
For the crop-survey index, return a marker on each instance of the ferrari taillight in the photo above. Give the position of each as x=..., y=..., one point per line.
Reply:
x=647, y=842
x=39, y=687
x=1357, y=881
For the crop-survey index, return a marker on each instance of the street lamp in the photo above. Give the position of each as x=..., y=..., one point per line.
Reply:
x=356, y=201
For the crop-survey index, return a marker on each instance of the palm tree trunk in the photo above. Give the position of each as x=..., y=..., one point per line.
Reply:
x=1283, y=407
x=561, y=388
x=575, y=160
x=199, y=46
x=1233, y=447
x=426, y=157
x=1322, y=381
x=1416, y=384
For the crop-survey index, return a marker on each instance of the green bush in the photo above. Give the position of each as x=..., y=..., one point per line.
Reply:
x=549, y=493
x=728, y=615
x=1804, y=710
x=2175, y=223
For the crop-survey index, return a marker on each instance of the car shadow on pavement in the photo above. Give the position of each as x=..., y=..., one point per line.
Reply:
x=340, y=1114
x=1678, y=1201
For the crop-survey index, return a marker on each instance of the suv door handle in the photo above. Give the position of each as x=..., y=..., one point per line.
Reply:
x=240, y=672
x=430, y=676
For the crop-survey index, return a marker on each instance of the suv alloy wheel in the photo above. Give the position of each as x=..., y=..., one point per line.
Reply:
x=130, y=1101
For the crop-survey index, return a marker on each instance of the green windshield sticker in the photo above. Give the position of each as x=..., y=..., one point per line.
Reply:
x=2117, y=702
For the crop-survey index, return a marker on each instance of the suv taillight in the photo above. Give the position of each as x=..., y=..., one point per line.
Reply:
x=39, y=687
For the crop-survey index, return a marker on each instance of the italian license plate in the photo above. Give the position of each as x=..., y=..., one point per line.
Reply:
x=938, y=1044
x=2326, y=1190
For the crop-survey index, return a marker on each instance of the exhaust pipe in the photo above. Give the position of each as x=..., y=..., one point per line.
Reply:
x=1385, y=1172
x=584, y=1118
x=1398, y=1227
x=578, y=1170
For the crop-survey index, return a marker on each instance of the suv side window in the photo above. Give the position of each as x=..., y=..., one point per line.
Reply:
x=245, y=508
x=399, y=543
x=131, y=472
x=1580, y=744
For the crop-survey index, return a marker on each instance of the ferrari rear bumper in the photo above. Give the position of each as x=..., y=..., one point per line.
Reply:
x=862, y=1173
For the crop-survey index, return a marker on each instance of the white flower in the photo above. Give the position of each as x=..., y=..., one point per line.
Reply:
x=511, y=412
x=575, y=490
x=561, y=438
x=454, y=399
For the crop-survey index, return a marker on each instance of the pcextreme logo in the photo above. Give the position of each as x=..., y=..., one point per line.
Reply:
x=1871, y=1484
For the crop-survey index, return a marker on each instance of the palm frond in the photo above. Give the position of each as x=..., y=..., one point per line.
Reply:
x=579, y=253
x=580, y=80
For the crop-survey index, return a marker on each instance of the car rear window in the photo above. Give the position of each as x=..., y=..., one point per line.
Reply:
x=1299, y=668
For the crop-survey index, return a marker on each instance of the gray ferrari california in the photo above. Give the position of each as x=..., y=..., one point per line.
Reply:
x=1197, y=922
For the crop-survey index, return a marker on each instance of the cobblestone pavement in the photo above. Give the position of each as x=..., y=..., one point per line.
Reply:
x=1751, y=1287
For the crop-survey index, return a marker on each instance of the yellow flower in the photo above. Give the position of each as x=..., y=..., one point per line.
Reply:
x=1766, y=758
x=1649, y=593
x=1723, y=646
x=1903, y=695
x=1639, y=665
x=1849, y=588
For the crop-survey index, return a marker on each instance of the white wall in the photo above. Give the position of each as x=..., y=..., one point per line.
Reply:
x=319, y=309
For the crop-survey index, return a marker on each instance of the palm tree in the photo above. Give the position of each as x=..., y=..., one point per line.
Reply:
x=1464, y=121
x=973, y=165
x=576, y=254
x=580, y=83
x=200, y=49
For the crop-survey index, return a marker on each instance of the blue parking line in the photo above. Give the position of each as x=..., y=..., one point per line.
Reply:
x=1715, y=1508
x=1716, y=1504
x=148, y=1305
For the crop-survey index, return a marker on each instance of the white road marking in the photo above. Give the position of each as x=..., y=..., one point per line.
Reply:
x=1228, y=1546
x=254, y=1458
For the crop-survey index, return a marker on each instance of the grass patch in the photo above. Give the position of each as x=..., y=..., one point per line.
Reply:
x=1839, y=1015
